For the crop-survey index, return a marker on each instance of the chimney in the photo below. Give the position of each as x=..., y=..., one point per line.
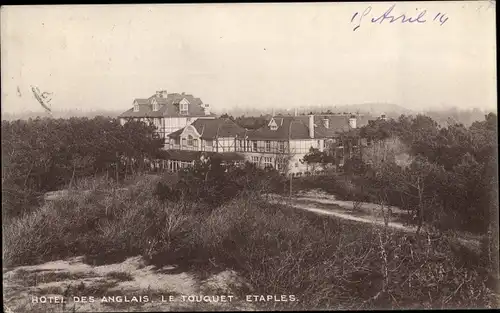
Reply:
x=326, y=122
x=311, y=125
x=296, y=112
x=206, y=109
x=158, y=94
x=352, y=121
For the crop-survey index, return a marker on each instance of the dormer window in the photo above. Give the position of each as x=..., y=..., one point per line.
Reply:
x=326, y=123
x=156, y=107
x=273, y=125
x=136, y=107
x=184, y=107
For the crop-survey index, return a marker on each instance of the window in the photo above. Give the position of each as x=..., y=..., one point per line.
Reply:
x=190, y=140
x=210, y=143
x=255, y=159
x=155, y=106
x=184, y=108
x=195, y=142
x=254, y=146
x=183, y=141
x=282, y=146
x=136, y=108
x=268, y=162
x=268, y=146
x=273, y=125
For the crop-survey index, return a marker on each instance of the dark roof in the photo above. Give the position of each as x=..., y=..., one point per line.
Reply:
x=253, y=122
x=213, y=128
x=186, y=155
x=169, y=106
x=176, y=133
x=337, y=124
x=297, y=127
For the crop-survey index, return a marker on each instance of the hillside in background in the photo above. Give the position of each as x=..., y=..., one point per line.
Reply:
x=453, y=115
x=376, y=109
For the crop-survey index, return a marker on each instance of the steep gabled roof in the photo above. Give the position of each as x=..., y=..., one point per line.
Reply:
x=297, y=127
x=289, y=127
x=213, y=128
x=337, y=124
x=169, y=106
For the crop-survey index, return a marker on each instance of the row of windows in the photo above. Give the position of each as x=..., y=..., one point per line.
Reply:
x=264, y=161
x=170, y=124
x=156, y=107
x=190, y=141
x=253, y=146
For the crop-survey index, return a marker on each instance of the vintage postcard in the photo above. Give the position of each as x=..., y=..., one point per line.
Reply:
x=281, y=156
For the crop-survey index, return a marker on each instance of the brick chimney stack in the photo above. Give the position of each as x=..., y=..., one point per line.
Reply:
x=352, y=121
x=311, y=126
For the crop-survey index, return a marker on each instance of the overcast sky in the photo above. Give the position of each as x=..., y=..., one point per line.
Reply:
x=256, y=55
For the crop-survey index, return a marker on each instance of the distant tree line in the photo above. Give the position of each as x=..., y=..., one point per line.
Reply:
x=248, y=122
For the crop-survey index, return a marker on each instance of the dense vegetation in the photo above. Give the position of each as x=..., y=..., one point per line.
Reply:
x=213, y=216
x=40, y=155
x=325, y=263
x=445, y=176
x=215, y=183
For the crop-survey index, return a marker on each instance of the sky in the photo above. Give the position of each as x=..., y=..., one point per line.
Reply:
x=280, y=55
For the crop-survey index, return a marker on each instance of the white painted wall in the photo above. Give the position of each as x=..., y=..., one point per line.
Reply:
x=298, y=149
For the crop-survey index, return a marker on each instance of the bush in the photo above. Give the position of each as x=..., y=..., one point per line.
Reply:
x=330, y=263
x=214, y=184
x=117, y=222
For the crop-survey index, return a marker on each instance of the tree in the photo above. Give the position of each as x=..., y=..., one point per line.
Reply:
x=315, y=158
x=46, y=154
x=225, y=115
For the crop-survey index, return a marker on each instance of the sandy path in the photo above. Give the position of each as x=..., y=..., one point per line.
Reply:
x=367, y=219
x=319, y=197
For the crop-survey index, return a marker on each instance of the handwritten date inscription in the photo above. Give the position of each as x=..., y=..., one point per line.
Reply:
x=419, y=17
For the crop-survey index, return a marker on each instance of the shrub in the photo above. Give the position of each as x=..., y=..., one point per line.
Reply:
x=214, y=184
x=104, y=224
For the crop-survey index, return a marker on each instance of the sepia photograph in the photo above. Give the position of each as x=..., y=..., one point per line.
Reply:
x=249, y=157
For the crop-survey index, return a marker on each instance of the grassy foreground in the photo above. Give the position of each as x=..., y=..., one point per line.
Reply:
x=325, y=263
